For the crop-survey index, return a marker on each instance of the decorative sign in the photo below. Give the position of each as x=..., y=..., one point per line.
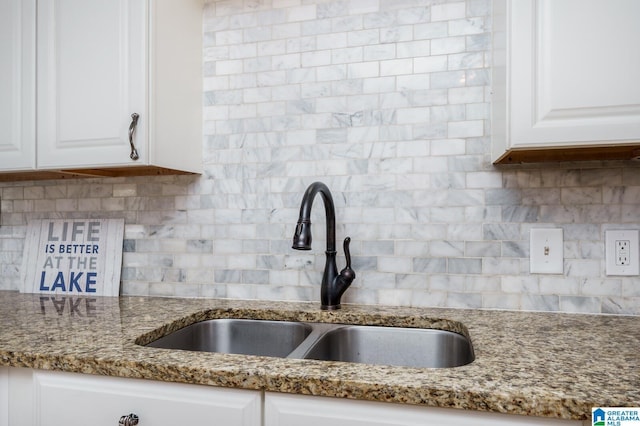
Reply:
x=73, y=257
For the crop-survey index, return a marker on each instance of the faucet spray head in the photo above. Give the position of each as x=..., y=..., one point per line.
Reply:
x=302, y=236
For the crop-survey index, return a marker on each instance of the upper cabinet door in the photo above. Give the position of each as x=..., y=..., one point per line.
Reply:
x=91, y=77
x=566, y=74
x=17, y=84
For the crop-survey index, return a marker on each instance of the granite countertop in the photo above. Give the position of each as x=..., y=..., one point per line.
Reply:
x=539, y=364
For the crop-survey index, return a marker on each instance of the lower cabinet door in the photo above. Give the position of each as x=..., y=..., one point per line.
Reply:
x=297, y=410
x=77, y=399
x=4, y=396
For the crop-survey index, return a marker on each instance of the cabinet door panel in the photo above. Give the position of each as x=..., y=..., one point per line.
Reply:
x=90, y=79
x=74, y=399
x=17, y=84
x=296, y=410
x=4, y=396
x=573, y=71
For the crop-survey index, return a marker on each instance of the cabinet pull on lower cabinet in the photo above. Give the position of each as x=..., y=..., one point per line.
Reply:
x=128, y=420
x=132, y=128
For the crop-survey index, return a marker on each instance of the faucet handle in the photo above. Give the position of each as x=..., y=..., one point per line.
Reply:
x=347, y=273
x=347, y=253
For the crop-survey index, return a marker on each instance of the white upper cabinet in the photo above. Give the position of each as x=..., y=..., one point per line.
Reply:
x=17, y=84
x=565, y=80
x=91, y=78
x=99, y=64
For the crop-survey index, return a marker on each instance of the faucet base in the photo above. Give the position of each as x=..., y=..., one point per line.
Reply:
x=330, y=307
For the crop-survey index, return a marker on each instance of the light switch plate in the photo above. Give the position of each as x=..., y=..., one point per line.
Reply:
x=546, y=251
x=621, y=252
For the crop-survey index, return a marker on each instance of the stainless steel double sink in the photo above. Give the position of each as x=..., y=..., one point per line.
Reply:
x=396, y=346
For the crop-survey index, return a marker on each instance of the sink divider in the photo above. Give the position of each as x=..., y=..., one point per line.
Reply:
x=318, y=329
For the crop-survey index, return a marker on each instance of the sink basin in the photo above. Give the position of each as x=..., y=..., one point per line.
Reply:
x=237, y=336
x=408, y=347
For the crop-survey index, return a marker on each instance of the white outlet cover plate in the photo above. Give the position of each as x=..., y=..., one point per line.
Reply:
x=611, y=236
x=546, y=251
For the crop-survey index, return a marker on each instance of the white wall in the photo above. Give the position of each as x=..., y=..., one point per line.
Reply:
x=387, y=102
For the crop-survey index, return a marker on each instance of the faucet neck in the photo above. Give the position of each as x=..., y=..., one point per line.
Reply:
x=330, y=211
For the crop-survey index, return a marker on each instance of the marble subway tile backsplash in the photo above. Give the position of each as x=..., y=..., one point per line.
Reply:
x=388, y=103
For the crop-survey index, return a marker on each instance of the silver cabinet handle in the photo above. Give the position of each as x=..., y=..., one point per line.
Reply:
x=128, y=420
x=132, y=128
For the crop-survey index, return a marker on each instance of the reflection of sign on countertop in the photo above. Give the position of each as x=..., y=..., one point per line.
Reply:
x=74, y=307
x=75, y=256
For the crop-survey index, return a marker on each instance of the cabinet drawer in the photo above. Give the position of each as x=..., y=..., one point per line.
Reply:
x=295, y=410
x=76, y=399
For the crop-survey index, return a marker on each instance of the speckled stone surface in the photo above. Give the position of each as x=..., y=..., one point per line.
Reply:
x=553, y=365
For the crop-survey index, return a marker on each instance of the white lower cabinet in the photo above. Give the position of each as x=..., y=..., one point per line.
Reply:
x=45, y=398
x=296, y=410
x=4, y=396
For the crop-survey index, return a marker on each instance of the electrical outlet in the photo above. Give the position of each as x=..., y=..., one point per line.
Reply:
x=546, y=251
x=621, y=252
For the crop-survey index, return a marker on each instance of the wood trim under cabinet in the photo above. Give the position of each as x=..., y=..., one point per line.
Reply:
x=89, y=173
x=554, y=155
